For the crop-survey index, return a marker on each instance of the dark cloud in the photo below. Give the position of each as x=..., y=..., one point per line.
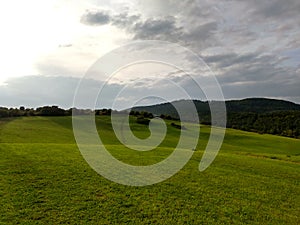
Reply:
x=152, y=28
x=201, y=36
x=202, y=32
x=276, y=9
x=124, y=20
x=272, y=89
x=158, y=29
x=250, y=68
x=95, y=18
x=223, y=61
x=257, y=39
x=166, y=27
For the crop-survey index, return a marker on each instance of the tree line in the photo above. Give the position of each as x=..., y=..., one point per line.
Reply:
x=41, y=111
x=284, y=123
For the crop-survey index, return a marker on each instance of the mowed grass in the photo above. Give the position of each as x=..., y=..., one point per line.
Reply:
x=255, y=179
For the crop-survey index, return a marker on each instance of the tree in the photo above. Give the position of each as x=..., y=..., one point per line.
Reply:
x=142, y=120
x=4, y=112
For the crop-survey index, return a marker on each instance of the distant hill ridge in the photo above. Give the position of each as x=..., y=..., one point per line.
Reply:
x=261, y=115
x=254, y=105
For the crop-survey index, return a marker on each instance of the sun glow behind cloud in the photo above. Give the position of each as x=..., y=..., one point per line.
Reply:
x=32, y=31
x=27, y=33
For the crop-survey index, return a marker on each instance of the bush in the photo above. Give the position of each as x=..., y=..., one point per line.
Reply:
x=178, y=126
x=142, y=120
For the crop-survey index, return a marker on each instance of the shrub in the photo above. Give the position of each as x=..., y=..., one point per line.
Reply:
x=142, y=120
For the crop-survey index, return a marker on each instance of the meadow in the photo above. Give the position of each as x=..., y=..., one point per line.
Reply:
x=255, y=179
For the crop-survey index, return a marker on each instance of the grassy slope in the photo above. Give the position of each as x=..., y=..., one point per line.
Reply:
x=254, y=180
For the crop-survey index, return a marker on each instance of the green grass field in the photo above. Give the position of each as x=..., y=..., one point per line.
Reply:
x=255, y=179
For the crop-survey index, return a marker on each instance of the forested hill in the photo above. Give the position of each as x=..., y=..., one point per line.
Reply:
x=254, y=105
x=253, y=114
x=260, y=105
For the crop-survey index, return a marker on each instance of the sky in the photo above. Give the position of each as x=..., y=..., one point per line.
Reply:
x=47, y=47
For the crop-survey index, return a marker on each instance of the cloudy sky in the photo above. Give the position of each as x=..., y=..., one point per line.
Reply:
x=252, y=47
